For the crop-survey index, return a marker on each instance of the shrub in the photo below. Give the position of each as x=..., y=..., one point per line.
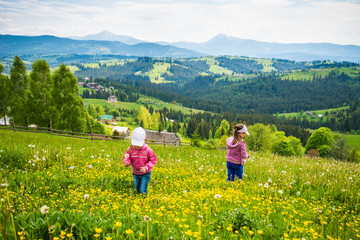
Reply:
x=284, y=148
x=354, y=156
x=324, y=151
x=313, y=153
x=319, y=137
x=210, y=144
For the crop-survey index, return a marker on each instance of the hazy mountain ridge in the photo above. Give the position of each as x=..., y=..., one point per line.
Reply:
x=20, y=45
x=226, y=45
x=108, y=36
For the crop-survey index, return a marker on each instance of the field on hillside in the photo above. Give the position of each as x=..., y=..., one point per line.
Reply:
x=89, y=194
x=155, y=103
x=353, y=140
x=331, y=112
x=309, y=74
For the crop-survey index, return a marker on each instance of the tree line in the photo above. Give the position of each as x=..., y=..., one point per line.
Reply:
x=43, y=98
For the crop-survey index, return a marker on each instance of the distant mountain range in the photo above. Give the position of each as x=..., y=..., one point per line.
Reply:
x=226, y=45
x=109, y=43
x=108, y=36
x=46, y=45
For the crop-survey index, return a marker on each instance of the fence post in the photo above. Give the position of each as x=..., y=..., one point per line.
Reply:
x=50, y=127
x=91, y=132
x=13, y=123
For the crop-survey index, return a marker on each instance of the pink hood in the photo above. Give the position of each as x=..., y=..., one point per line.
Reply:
x=236, y=152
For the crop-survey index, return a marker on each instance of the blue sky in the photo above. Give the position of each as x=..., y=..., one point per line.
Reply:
x=285, y=21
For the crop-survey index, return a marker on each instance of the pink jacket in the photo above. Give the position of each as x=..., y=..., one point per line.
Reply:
x=145, y=157
x=236, y=152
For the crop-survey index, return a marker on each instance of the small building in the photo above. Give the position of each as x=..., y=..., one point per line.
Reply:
x=123, y=131
x=319, y=115
x=81, y=83
x=4, y=120
x=108, y=118
x=164, y=137
x=112, y=98
x=309, y=113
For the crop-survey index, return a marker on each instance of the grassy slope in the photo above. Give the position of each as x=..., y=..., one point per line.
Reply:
x=353, y=140
x=331, y=113
x=144, y=99
x=183, y=186
x=308, y=75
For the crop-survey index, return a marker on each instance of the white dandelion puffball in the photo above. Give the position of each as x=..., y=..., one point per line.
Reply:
x=44, y=209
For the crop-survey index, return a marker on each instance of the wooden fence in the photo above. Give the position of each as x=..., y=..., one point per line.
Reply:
x=90, y=136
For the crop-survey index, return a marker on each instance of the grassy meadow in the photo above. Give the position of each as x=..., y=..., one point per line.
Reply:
x=331, y=112
x=308, y=75
x=155, y=103
x=89, y=194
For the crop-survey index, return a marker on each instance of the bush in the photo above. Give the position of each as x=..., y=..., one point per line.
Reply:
x=354, y=156
x=313, y=153
x=210, y=144
x=324, y=150
x=318, y=138
x=284, y=148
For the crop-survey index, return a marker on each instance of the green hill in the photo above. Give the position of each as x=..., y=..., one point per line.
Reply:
x=89, y=193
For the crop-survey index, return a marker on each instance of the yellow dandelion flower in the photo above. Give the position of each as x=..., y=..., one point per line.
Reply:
x=286, y=235
x=260, y=232
x=129, y=231
x=69, y=235
x=189, y=233
x=98, y=230
x=229, y=228
x=211, y=233
x=251, y=232
x=141, y=234
x=97, y=235
x=118, y=224
x=108, y=238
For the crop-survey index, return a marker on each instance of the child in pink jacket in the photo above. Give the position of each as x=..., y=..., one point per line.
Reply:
x=236, y=155
x=141, y=158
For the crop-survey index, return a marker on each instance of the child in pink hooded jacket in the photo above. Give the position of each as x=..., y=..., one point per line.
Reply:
x=236, y=155
x=141, y=158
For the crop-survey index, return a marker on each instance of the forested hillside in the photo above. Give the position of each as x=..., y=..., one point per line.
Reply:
x=248, y=89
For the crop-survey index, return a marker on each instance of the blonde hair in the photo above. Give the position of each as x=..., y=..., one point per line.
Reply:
x=237, y=137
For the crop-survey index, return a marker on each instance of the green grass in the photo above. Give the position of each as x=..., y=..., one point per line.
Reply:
x=309, y=74
x=156, y=104
x=87, y=189
x=267, y=64
x=159, y=68
x=331, y=113
x=353, y=140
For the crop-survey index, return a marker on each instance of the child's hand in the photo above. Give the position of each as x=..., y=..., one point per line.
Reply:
x=143, y=170
x=126, y=164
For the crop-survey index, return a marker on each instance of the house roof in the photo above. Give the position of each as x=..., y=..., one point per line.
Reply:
x=121, y=129
x=168, y=137
x=107, y=117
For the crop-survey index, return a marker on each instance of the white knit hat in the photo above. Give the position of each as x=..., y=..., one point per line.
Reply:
x=138, y=137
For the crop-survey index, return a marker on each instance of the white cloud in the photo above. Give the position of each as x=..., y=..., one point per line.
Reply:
x=198, y=20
